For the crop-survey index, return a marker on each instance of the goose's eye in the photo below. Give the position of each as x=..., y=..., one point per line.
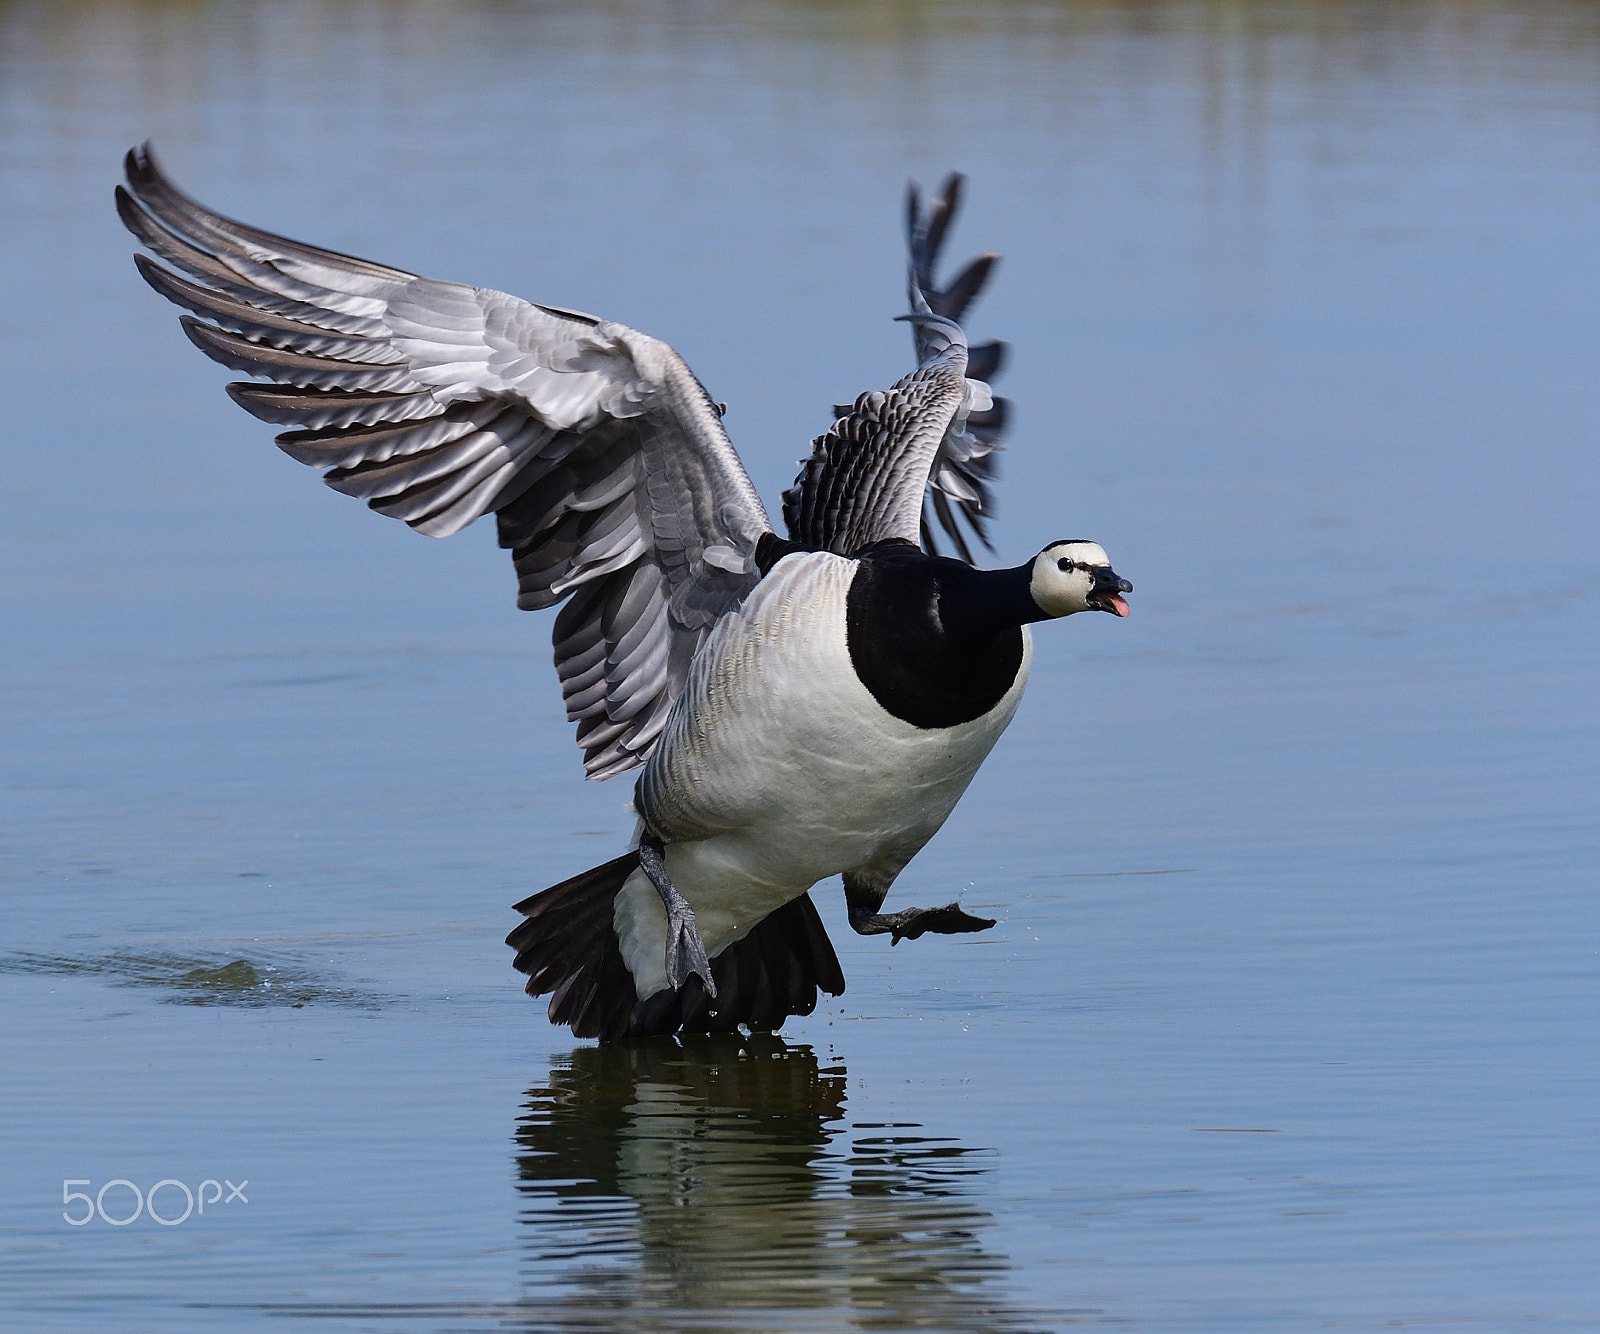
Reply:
x=1065, y=563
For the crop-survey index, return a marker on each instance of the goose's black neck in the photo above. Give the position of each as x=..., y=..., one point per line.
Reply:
x=935, y=641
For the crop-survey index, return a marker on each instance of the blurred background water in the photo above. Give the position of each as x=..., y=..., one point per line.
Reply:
x=1290, y=1020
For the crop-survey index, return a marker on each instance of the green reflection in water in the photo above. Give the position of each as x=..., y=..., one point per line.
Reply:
x=196, y=980
x=718, y=1182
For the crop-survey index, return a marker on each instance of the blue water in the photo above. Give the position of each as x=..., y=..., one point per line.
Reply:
x=1290, y=1020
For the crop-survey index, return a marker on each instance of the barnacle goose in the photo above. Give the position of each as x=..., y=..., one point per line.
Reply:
x=802, y=707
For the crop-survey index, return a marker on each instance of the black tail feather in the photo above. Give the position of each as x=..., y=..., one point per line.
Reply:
x=568, y=947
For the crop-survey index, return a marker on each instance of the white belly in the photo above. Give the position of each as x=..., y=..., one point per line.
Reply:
x=778, y=768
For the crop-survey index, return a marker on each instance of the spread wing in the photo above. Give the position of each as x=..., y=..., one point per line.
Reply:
x=961, y=484
x=865, y=478
x=895, y=463
x=602, y=457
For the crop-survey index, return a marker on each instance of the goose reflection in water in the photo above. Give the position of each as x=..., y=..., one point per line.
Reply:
x=715, y=1182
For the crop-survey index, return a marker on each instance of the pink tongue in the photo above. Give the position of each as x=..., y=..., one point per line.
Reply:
x=1118, y=605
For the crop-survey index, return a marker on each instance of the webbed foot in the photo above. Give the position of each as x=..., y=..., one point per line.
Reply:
x=686, y=954
x=909, y=923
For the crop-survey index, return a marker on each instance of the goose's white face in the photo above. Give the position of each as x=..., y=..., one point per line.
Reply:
x=1077, y=576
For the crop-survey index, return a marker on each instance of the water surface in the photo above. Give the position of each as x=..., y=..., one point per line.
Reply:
x=1289, y=1019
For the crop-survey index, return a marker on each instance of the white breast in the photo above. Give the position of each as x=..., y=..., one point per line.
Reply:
x=778, y=768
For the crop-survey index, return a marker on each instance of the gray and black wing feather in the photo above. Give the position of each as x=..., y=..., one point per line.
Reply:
x=897, y=462
x=961, y=486
x=865, y=479
x=604, y=460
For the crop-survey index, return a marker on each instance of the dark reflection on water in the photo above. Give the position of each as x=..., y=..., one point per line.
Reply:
x=190, y=979
x=720, y=1179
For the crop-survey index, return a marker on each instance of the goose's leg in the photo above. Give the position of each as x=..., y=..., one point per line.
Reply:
x=863, y=897
x=686, y=955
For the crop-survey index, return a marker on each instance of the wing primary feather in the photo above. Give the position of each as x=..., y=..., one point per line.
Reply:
x=314, y=409
x=958, y=491
x=239, y=317
x=984, y=361
x=906, y=464
x=203, y=265
x=613, y=480
x=293, y=368
x=376, y=444
x=188, y=217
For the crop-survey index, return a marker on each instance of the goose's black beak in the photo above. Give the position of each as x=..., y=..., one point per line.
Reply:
x=1106, y=592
